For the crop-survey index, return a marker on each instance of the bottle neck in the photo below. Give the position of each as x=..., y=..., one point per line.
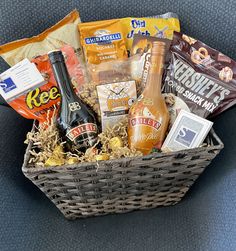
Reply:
x=63, y=80
x=154, y=80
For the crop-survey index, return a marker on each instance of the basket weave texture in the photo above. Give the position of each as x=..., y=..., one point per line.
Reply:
x=122, y=185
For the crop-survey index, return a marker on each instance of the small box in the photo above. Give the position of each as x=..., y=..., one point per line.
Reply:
x=188, y=131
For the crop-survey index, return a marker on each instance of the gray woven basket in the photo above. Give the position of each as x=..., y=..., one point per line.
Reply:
x=122, y=185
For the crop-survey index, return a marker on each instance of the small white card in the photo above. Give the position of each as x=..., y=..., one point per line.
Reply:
x=188, y=131
x=20, y=79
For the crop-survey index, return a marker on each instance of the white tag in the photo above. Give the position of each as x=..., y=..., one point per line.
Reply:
x=19, y=79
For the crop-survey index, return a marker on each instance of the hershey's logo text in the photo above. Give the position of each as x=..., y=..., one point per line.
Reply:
x=197, y=82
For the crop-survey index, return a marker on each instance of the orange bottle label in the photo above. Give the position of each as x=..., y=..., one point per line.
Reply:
x=147, y=126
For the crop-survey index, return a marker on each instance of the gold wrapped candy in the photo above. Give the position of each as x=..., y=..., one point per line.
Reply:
x=57, y=158
x=102, y=156
x=115, y=143
x=58, y=151
x=52, y=161
x=72, y=160
x=91, y=151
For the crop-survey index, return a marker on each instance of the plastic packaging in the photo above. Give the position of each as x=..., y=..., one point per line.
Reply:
x=65, y=32
x=202, y=78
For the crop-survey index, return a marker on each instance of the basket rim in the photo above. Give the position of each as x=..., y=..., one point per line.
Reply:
x=26, y=169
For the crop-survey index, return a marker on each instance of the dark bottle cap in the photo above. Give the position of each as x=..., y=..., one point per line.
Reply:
x=55, y=56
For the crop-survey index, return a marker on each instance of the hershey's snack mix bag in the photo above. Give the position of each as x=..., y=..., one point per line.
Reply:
x=199, y=77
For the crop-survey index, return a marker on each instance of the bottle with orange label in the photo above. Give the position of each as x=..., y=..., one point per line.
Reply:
x=148, y=116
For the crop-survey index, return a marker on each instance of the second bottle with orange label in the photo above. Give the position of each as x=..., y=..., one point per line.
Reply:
x=148, y=116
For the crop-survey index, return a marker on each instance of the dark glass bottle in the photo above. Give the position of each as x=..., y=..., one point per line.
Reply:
x=76, y=122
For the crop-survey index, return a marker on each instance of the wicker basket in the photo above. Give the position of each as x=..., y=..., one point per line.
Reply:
x=122, y=185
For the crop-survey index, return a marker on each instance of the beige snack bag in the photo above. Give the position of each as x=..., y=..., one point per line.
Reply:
x=65, y=32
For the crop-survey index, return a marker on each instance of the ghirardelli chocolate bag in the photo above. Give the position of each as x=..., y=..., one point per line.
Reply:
x=199, y=78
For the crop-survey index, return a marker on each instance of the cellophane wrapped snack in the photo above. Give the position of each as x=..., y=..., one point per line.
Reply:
x=105, y=73
x=199, y=78
x=105, y=43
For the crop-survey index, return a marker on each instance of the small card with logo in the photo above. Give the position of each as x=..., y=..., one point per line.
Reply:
x=19, y=79
x=115, y=100
x=188, y=131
